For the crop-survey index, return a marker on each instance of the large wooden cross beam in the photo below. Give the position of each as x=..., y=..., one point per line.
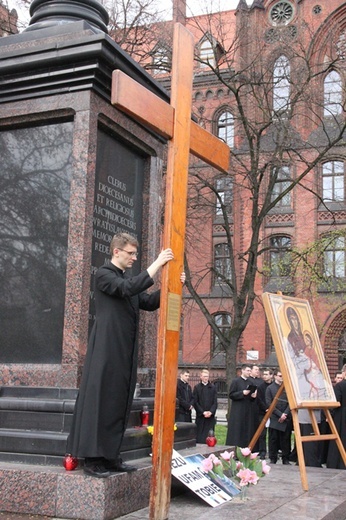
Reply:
x=173, y=122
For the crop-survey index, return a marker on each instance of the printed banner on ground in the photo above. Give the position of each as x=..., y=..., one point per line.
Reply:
x=189, y=472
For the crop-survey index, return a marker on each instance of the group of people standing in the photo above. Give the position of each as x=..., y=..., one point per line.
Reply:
x=252, y=394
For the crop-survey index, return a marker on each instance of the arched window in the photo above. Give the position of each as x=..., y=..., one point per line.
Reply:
x=280, y=257
x=281, y=85
x=283, y=181
x=224, y=188
x=207, y=54
x=332, y=94
x=334, y=258
x=225, y=128
x=223, y=322
x=333, y=181
x=222, y=264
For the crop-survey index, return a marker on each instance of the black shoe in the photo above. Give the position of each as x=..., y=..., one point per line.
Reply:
x=272, y=461
x=98, y=471
x=286, y=462
x=120, y=467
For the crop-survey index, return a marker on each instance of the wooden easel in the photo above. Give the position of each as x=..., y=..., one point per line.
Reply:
x=307, y=438
x=311, y=405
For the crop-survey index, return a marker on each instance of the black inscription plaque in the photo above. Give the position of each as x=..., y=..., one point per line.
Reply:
x=118, y=202
x=34, y=206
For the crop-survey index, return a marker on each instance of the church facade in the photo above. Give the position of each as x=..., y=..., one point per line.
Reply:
x=269, y=80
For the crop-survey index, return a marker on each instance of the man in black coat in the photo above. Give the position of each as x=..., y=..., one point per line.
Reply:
x=184, y=396
x=109, y=375
x=205, y=404
x=242, y=421
x=267, y=379
x=280, y=427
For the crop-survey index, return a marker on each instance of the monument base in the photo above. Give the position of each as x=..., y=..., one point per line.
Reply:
x=55, y=492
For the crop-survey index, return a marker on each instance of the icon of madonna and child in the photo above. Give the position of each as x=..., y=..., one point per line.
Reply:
x=313, y=384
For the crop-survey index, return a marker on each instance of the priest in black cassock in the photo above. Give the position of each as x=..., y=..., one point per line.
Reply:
x=205, y=404
x=109, y=374
x=242, y=421
x=334, y=459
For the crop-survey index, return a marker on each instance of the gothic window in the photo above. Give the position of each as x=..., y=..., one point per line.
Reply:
x=224, y=188
x=222, y=264
x=207, y=54
x=280, y=257
x=332, y=94
x=333, y=181
x=334, y=258
x=281, y=85
x=223, y=322
x=283, y=181
x=225, y=128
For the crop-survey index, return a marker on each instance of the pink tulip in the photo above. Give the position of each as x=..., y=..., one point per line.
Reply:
x=245, y=452
x=254, y=455
x=227, y=455
x=207, y=465
x=213, y=457
x=265, y=467
x=247, y=477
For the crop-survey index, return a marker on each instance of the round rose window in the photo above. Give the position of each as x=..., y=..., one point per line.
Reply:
x=281, y=13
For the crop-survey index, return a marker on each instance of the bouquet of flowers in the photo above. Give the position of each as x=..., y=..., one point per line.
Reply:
x=243, y=467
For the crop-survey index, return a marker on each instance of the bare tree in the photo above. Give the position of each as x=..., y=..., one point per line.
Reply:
x=139, y=28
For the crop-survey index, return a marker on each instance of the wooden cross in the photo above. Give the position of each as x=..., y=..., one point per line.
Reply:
x=173, y=122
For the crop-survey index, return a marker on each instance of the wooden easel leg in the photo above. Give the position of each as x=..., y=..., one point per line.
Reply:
x=300, y=452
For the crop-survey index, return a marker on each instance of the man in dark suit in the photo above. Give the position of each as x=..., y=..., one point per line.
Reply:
x=184, y=396
x=280, y=427
x=267, y=379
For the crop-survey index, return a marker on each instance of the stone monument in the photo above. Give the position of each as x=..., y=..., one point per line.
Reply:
x=75, y=170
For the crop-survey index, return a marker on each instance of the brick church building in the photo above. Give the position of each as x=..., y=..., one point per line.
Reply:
x=269, y=79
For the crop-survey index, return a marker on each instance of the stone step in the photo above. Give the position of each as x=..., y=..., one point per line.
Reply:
x=51, y=408
x=35, y=423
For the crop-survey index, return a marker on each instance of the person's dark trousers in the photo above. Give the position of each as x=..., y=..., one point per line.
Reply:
x=262, y=442
x=280, y=439
x=273, y=445
x=285, y=440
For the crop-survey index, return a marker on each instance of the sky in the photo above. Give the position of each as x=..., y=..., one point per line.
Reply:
x=194, y=7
